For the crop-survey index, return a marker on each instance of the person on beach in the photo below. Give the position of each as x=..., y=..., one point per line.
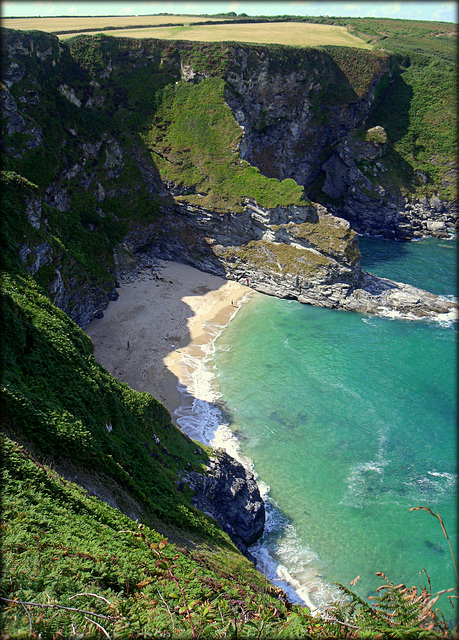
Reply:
x=128, y=344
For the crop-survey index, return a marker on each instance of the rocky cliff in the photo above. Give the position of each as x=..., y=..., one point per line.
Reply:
x=307, y=122
x=74, y=119
x=354, y=179
x=229, y=493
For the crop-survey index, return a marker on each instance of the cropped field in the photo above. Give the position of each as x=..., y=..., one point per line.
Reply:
x=287, y=33
x=76, y=23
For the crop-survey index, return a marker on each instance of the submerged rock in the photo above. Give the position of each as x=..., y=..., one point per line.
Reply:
x=230, y=494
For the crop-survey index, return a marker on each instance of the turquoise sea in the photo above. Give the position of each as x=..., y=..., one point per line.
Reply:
x=348, y=421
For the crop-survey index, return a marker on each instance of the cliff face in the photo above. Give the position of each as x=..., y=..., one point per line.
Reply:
x=307, y=122
x=93, y=125
x=293, y=110
x=354, y=178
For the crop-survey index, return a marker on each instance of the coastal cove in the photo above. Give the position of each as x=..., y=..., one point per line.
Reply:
x=229, y=381
x=229, y=295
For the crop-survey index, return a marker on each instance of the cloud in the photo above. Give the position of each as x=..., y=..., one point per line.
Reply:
x=128, y=10
x=447, y=11
x=71, y=9
x=395, y=8
x=234, y=6
x=50, y=7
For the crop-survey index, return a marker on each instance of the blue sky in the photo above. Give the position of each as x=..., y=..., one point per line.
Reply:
x=446, y=10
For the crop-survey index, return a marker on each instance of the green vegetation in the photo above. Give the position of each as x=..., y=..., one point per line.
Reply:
x=74, y=566
x=418, y=109
x=330, y=238
x=377, y=135
x=194, y=138
x=66, y=548
x=358, y=70
x=282, y=259
x=48, y=371
x=423, y=138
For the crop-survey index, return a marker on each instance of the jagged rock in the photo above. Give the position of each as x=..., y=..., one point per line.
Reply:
x=69, y=93
x=369, y=208
x=276, y=109
x=336, y=281
x=229, y=493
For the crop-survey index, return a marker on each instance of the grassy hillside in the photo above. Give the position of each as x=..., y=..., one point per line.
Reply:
x=194, y=142
x=419, y=109
x=64, y=548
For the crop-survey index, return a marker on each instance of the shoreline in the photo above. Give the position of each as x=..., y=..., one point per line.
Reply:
x=171, y=316
x=168, y=317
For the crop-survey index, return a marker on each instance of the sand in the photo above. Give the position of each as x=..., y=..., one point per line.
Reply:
x=165, y=321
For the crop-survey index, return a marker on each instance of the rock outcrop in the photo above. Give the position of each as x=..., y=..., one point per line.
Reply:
x=292, y=110
x=301, y=253
x=354, y=178
x=229, y=493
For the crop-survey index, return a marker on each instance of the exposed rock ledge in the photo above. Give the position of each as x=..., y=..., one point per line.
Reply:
x=231, y=496
x=301, y=253
x=364, y=293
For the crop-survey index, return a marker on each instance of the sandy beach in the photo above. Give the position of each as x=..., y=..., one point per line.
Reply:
x=164, y=320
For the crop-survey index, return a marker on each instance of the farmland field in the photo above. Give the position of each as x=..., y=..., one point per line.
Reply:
x=67, y=23
x=287, y=33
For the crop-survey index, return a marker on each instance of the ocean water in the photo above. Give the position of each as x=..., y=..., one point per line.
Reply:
x=348, y=421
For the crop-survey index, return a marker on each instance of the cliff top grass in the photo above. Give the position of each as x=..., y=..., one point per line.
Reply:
x=194, y=139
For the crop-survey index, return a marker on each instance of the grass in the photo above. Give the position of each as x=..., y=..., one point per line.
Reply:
x=49, y=374
x=194, y=140
x=73, y=565
x=423, y=138
x=62, y=547
x=280, y=258
x=286, y=33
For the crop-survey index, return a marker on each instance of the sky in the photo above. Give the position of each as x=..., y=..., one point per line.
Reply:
x=445, y=10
